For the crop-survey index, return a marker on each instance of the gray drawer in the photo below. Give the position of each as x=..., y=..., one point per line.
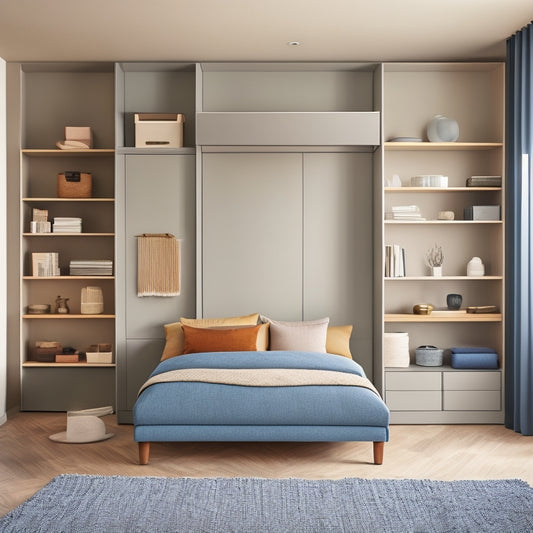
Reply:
x=472, y=400
x=414, y=400
x=418, y=381
x=472, y=381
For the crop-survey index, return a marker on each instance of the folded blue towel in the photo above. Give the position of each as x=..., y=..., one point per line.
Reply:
x=475, y=360
x=472, y=349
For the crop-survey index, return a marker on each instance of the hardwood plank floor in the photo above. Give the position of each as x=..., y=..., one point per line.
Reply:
x=29, y=459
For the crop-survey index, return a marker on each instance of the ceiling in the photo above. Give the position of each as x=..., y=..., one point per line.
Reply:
x=259, y=30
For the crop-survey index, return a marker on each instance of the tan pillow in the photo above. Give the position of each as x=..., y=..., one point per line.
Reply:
x=307, y=336
x=220, y=339
x=174, y=334
x=338, y=340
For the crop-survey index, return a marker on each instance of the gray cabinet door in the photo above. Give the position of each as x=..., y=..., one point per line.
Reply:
x=252, y=234
x=338, y=245
x=160, y=198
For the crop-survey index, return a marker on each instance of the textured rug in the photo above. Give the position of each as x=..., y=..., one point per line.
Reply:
x=73, y=503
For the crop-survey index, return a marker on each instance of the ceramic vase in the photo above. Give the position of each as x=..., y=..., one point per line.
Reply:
x=454, y=301
x=436, y=271
x=442, y=129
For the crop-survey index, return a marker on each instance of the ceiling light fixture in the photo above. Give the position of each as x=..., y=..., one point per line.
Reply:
x=293, y=43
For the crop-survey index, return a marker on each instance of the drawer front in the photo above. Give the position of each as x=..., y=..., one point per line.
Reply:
x=414, y=400
x=472, y=400
x=418, y=381
x=472, y=381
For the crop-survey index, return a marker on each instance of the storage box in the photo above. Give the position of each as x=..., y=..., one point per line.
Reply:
x=45, y=351
x=469, y=357
x=428, y=356
x=74, y=184
x=99, y=353
x=159, y=130
x=482, y=212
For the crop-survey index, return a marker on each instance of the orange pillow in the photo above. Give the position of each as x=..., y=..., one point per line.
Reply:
x=220, y=340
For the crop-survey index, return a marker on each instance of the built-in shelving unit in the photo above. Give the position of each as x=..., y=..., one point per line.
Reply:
x=55, y=96
x=472, y=94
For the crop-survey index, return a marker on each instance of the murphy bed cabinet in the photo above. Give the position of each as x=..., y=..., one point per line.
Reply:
x=472, y=94
x=55, y=96
x=285, y=167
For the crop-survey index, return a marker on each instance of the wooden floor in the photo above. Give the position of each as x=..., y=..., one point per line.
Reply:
x=29, y=459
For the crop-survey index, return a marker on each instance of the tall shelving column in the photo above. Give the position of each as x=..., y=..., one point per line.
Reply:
x=54, y=96
x=472, y=94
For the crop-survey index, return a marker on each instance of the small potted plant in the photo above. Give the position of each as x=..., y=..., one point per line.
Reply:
x=434, y=260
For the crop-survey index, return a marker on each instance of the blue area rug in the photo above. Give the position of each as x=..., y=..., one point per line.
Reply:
x=73, y=503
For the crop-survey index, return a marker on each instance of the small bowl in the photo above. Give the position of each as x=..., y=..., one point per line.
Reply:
x=422, y=309
x=38, y=309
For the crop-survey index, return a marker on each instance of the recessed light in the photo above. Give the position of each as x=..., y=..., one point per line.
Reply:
x=294, y=43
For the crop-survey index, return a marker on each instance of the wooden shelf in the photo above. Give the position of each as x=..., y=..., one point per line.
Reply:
x=55, y=278
x=408, y=189
x=92, y=152
x=58, y=234
x=83, y=364
x=445, y=222
x=451, y=146
x=467, y=317
x=53, y=316
x=68, y=199
x=445, y=278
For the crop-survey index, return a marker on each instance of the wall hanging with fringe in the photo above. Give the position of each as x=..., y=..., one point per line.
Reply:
x=158, y=265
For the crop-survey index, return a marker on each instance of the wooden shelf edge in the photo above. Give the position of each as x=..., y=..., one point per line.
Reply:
x=54, y=316
x=424, y=145
x=63, y=278
x=468, y=317
x=83, y=364
x=65, y=153
x=54, y=199
x=444, y=278
x=444, y=222
x=441, y=189
x=59, y=234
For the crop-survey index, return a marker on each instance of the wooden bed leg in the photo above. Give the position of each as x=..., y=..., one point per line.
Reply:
x=378, y=452
x=144, y=453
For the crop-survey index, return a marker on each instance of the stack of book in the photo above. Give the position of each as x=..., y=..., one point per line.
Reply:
x=67, y=225
x=45, y=264
x=484, y=181
x=39, y=222
x=91, y=267
x=404, y=212
x=394, y=261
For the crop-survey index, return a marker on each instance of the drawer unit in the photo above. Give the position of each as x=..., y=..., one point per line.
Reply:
x=467, y=400
x=416, y=400
x=413, y=381
x=472, y=381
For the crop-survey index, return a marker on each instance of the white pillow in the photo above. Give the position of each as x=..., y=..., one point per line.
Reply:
x=307, y=336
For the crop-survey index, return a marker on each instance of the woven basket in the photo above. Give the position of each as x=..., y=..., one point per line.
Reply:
x=428, y=356
x=74, y=184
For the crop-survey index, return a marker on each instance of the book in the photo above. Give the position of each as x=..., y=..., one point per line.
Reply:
x=394, y=261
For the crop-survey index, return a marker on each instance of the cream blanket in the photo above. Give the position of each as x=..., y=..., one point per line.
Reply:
x=264, y=377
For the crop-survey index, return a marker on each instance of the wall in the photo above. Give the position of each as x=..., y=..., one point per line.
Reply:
x=3, y=254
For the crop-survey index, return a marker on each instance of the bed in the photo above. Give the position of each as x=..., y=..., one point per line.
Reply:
x=257, y=395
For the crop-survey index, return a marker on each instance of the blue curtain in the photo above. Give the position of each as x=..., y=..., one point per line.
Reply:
x=519, y=232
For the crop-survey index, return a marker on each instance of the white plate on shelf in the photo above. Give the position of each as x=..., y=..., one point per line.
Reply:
x=405, y=140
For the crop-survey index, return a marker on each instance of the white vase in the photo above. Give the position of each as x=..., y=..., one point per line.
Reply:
x=442, y=129
x=436, y=271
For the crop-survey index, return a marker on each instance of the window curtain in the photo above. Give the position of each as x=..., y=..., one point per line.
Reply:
x=519, y=233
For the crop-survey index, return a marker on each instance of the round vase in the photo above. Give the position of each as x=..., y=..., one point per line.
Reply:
x=454, y=301
x=436, y=271
x=442, y=129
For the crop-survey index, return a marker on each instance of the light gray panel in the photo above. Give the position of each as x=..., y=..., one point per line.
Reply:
x=290, y=129
x=252, y=235
x=338, y=245
x=160, y=198
x=143, y=357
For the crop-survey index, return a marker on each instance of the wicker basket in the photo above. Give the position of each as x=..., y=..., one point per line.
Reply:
x=428, y=356
x=73, y=184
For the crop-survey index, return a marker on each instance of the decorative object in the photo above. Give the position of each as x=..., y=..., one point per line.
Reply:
x=38, y=309
x=158, y=265
x=62, y=307
x=430, y=180
x=99, y=353
x=155, y=503
x=442, y=129
x=405, y=140
x=482, y=309
x=396, y=349
x=395, y=181
x=76, y=138
x=484, y=181
x=475, y=267
x=482, y=212
x=428, y=356
x=84, y=426
x=422, y=309
x=446, y=215
x=92, y=301
x=434, y=260
x=454, y=301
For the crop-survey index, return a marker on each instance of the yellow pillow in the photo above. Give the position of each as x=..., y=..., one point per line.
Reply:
x=174, y=333
x=229, y=339
x=338, y=340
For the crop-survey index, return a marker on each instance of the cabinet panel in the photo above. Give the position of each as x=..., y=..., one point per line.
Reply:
x=416, y=381
x=472, y=400
x=479, y=381
x=414, y=400
x=160, y=198
x=338, y=246
x=252, y=235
